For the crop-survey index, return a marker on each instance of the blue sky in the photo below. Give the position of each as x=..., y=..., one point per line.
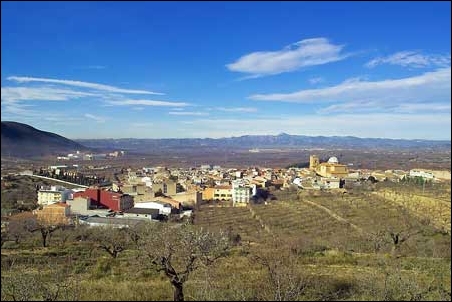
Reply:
x=222, y=69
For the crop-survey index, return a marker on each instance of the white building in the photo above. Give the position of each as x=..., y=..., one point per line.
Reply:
x=53, y=194
x=242, y=192
x=421, y=173
x=164, y=209
x=330, y=183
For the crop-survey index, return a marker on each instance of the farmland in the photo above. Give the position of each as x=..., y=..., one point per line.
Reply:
x=316, y=245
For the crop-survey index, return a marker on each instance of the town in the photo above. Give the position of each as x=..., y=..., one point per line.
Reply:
x=226, y=151
x=158, y=193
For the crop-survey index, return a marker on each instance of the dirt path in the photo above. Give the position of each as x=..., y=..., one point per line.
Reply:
x=260, y=220
x=335, y=216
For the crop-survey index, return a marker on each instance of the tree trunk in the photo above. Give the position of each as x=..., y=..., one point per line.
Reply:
x=178, y=291
x=44, y=237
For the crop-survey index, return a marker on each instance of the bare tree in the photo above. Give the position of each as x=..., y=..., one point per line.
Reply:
x=285, y=282
x=46, y=230
x=49, y=283
x=178, y=250
x=112, y=240
x=19, y=226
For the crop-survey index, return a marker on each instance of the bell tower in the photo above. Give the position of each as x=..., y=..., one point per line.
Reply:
x=313, y=162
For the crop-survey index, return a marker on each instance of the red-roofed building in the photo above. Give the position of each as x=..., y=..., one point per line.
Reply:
x=112, y=200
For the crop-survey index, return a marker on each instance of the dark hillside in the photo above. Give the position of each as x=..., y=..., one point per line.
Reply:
x=22, y=141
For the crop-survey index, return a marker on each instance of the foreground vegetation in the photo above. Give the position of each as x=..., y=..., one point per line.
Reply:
x=302, y=246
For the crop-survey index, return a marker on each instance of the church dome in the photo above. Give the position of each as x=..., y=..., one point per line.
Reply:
x=333, y=160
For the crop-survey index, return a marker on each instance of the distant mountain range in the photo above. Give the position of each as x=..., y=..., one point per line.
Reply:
x=245, y=142
x=23, y=141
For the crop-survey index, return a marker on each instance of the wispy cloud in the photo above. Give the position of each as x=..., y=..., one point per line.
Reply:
x=237, y=109
x=146, y=103
x=369, y=106
x=429, y=86
x=192, y=113
x=316, y=80
x=430, y=107
x=19, y=109
x=412, y=59
x=98, y=119
x=81, y=84
x=308, y=52
x=12, y=94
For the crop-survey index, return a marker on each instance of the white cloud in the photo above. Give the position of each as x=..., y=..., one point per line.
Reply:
x=12, y=94
x=237, y=109
x=95, y=86
x=308, y=52
x=411, y=59
x=18, y=109
x=315, y=80
x=430, y=86
x=428, y=107
x=193, y=113
x=98, y=119
x=369, y=106
x=147, y=103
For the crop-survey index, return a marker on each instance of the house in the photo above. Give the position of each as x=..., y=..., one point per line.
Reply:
x=167, y=187
x=147, y=213
x=217, y=193
x=330, y=183
x=80, y=205
x=242, y=192
x=261, y=182
x=53, y=194
x=421, y=173
x=112, y=200
x=190, y=198
x=176, y=205
x=55, y=214
x=163, y=208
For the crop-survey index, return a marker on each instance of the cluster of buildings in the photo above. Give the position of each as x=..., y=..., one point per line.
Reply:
x=157, y=192
x=90, y=156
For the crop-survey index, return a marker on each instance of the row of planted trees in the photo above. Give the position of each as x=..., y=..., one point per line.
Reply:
x=74, y=177
x=174, y=249
x=179, y=252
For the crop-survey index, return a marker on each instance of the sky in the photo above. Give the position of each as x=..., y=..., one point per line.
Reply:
x=220, y=69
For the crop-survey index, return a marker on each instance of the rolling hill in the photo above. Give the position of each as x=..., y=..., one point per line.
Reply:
x=23, y=141
x=282, y=140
